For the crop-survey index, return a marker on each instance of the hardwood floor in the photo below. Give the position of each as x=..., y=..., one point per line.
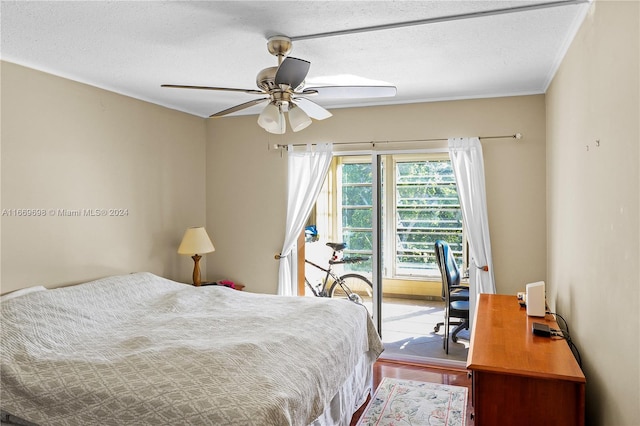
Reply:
x=423, y=373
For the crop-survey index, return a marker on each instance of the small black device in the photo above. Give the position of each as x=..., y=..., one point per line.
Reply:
x=542, y=330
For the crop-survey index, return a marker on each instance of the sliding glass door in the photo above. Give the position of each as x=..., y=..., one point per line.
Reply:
x=390, y=209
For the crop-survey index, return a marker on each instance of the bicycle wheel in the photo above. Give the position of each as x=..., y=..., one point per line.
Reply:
x=355, y=288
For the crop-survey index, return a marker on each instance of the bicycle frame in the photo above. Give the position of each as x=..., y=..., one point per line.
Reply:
x=327, y=289
x=322, y=291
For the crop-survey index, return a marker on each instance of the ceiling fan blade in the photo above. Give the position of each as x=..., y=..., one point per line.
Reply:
x=352, y=91
x=226, y=89
x=292, y=71
x=312, y=109
x=239, y=107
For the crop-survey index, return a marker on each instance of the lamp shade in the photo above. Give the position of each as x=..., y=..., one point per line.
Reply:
x=195, y=241
x=272, y=119
x=269, y=116
x=298, y=119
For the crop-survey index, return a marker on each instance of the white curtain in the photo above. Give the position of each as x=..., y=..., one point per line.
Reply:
x=307, y=171
x=468, y=167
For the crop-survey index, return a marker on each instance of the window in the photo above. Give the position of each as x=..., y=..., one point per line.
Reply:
x=355, y=210
x=420, y=205
x=426, y=209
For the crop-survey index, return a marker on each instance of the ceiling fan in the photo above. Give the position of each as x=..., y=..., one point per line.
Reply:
x=282, y=89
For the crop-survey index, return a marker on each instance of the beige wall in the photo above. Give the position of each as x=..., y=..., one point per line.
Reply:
x=70, y=146
x=593, y=206
x=246, y=203
x=246, y=181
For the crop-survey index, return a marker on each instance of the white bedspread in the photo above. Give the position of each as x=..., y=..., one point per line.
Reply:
x=140, y=349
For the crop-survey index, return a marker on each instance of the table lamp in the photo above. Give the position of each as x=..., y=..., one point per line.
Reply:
x=194, y=243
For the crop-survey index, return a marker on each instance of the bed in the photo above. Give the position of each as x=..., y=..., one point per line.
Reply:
x=140, y=349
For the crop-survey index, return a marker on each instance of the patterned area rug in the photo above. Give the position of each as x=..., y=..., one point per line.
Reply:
x=407, y=402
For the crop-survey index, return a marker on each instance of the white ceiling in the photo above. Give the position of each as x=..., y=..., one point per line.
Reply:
x=132, y=47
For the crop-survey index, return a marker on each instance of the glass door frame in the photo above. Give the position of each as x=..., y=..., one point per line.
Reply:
x=377, y=222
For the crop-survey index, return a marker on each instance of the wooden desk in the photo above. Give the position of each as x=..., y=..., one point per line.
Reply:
x=520, y=378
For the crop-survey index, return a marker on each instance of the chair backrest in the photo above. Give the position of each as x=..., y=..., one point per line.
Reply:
x=447, y=265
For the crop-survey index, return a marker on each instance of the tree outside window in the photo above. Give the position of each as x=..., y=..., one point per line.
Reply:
x=426, y=208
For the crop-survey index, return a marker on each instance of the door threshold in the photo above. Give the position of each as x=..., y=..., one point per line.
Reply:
x=420, y=360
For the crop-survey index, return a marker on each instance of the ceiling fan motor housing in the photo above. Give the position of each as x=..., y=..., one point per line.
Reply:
x=266, y=79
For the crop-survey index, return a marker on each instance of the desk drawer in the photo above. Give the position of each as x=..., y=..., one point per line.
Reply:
x=510, y=399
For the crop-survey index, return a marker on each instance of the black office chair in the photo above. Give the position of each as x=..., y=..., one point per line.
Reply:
x=455, y=296
x=457, y=290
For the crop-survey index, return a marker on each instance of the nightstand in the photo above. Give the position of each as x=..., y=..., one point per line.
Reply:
x=236, y=286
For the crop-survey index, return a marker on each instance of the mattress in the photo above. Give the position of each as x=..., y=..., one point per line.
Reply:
x=141, y=349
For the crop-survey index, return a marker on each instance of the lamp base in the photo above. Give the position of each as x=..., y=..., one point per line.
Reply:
x=196, y=270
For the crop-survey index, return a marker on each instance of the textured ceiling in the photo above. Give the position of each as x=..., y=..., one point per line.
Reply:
x=132, y=47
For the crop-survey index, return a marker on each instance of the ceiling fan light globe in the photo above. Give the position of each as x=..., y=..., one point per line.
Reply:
x=271, y=127
x=275, y=130
x=298, y=119
x=277, y=126
x=269, y=115
x=282, y=123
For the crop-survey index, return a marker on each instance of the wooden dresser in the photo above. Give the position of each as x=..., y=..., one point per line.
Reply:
x=519, y=378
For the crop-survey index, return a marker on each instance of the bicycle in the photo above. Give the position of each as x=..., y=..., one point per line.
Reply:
x=351, y=286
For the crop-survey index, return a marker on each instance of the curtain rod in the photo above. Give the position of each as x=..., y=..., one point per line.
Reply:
x=514, y=136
